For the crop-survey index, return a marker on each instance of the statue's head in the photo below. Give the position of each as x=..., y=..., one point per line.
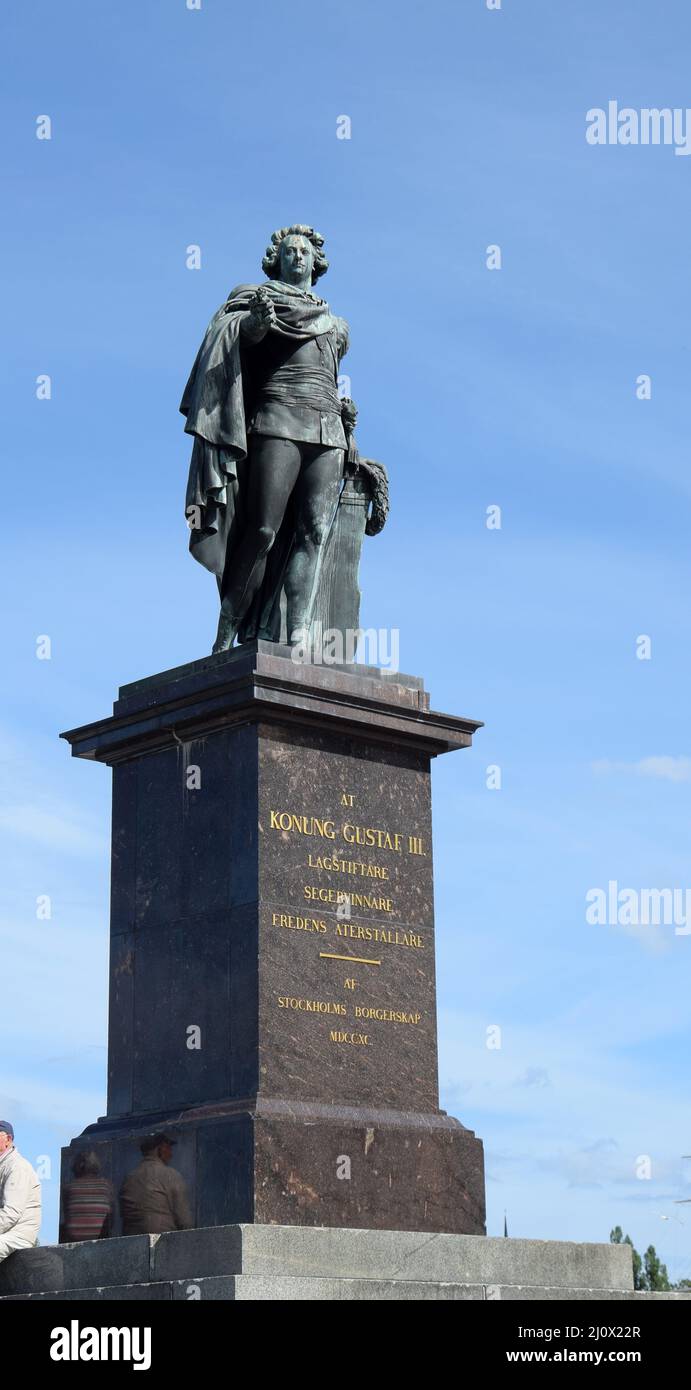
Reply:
x=292, y=251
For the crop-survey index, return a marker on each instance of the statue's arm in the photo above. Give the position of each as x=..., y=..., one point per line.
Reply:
x=342, y=337
x=260, y=318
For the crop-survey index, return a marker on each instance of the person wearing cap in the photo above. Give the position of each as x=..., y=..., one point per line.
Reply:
x=20, y=1197
x=153, y=1197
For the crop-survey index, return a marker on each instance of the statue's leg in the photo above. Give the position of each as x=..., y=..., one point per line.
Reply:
x=316, y=497
x=272, y=469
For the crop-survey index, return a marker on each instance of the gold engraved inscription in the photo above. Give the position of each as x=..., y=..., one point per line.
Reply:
x=333, y=865
x=390, y=936
x=310, y=1006
x=289, y=919
x=370, y=836
x=339, y=895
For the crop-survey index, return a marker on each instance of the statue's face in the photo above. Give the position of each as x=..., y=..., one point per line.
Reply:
x=296, y=260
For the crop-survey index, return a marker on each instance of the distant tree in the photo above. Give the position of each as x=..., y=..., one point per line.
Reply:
x=657, y=1278
x=649, y=1273
x=617, y=1237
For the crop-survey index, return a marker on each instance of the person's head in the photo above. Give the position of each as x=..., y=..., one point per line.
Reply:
x=86, y=1165
x=6, y=1136
x=295, y=253
x=160, y=1145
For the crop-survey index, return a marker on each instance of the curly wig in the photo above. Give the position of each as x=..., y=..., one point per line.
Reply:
x=271, y=264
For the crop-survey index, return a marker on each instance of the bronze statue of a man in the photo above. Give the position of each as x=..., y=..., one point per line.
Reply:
x=271, y=441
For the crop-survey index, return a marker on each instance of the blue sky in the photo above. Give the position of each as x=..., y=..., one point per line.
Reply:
x=513, y=387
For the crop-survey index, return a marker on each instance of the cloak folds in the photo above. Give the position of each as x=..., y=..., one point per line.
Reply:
x=217, y=403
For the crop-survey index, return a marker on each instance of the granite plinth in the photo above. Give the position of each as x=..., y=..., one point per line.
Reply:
x=302, y=1259
x=272, y=944
x=273, y=1263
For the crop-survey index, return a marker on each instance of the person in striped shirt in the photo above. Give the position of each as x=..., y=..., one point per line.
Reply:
x=88, y=1201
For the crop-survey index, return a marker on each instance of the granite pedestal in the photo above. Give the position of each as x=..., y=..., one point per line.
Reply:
x=272, y=1000
x=280, y=1263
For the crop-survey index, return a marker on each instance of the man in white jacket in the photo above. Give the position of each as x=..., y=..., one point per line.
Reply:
x=20, y=1197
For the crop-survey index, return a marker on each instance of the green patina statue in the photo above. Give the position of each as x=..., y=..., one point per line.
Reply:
x=278, y=497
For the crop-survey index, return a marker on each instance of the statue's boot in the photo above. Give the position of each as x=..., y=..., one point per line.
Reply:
x=301, y=595
x=248, y=574
x=300, y=636
x=227, y=631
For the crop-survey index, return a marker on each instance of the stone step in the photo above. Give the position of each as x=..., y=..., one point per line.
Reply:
x=276, y=1288
x=318, y=1252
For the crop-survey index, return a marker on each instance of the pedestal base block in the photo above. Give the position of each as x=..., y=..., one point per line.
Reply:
x=277, y=1163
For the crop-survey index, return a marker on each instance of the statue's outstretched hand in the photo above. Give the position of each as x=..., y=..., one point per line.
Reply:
x=260, y=317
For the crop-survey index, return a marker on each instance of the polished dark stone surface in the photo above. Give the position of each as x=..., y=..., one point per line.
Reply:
x=219, y=691
x=272, y=956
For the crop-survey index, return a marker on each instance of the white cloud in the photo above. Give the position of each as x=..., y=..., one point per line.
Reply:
x=670, y=769
x=533, y=1076
x=673, y=769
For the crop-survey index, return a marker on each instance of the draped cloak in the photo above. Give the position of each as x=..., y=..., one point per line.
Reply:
x=218, y=403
